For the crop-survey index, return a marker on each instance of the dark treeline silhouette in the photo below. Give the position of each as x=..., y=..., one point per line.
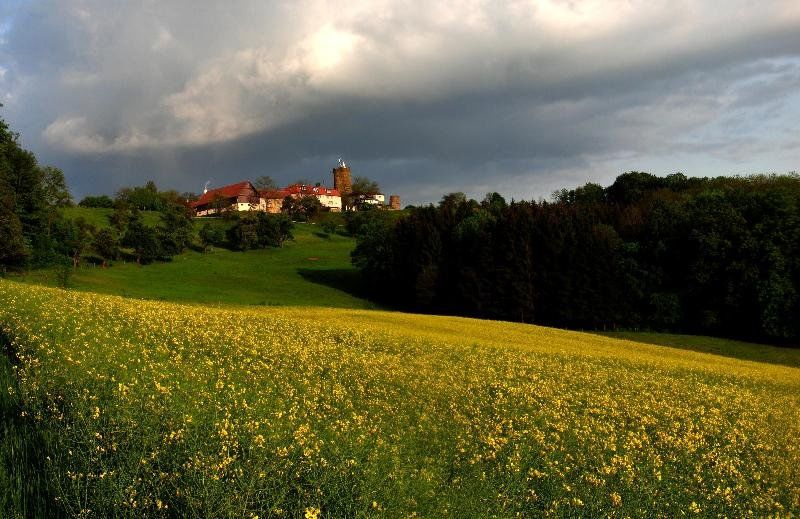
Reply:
x=32, y=230
x=716, y=256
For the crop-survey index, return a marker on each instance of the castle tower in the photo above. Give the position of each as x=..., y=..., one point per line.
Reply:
x=394, y=202
x=341, y=178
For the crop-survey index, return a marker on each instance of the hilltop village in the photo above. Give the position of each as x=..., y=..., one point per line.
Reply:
x=244, y=196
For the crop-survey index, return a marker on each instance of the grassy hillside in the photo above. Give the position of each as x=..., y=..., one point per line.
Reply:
x=306, y=271
x=156, y=408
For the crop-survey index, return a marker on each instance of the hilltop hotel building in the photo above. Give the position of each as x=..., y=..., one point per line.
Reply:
x=243, y=196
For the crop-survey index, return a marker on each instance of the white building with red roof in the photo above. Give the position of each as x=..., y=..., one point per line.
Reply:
x=243, y=196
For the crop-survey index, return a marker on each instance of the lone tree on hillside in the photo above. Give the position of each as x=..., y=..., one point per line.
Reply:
x=211, y=235
x=55, y=189
x=301, y=209
x=119, y=218
x=106, y=245
x=243, y=235
x=142, y=239
x=175, y=229
x=78, y=239
x=280, y=230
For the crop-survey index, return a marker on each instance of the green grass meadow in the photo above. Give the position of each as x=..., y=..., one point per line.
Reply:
x=308, y=271
x=99, y=217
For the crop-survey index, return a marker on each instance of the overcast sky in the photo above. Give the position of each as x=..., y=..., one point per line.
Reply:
x=425, y=97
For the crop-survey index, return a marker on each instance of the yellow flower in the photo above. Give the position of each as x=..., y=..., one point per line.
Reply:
x=537, y=415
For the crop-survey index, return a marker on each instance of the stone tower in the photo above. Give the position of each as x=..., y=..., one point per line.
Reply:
x=341, y=178
x=394, y=202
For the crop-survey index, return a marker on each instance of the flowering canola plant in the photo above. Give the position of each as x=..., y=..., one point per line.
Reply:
x=159, y=409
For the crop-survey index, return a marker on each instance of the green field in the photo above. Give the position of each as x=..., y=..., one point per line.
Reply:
x=305, y=271
x=100, y=217
x=257, y=384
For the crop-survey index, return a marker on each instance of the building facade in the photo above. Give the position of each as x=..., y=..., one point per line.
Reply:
x=243, y=196
x=371, y=199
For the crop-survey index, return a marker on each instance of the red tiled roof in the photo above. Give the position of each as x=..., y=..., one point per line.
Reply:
x=230, y=191
x=233, y=190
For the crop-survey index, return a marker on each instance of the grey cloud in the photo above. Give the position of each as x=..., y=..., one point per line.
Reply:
x=425, y=98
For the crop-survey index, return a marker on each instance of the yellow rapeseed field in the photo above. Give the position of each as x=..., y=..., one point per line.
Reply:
x=155, y=409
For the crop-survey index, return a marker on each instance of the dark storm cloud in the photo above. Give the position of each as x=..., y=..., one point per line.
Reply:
x=471, y=96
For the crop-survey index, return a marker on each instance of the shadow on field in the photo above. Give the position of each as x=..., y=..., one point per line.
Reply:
x=25, y=490
x=346, y=280
x=783, y=355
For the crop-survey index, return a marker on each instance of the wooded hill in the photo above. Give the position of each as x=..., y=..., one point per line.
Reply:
x=717, y=256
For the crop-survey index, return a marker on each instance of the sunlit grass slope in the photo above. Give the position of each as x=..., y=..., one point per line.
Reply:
x=156, y=408
x=259, y=277
x=100, y=217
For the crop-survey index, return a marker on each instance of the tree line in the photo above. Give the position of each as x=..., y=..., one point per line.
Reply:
x=716, y=256
x=31, y=197
x=173, y=233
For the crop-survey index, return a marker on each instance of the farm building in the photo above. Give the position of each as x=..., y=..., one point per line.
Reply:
x=243, y=196
x=370, y=198
x=273, y=199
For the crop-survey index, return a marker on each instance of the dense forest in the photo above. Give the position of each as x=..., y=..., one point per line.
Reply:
x=717, y=256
